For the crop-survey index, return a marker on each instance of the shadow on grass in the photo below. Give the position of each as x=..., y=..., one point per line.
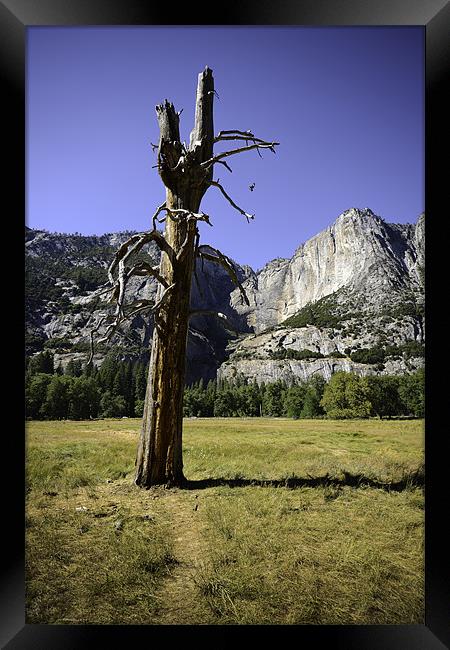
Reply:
x=408, y=481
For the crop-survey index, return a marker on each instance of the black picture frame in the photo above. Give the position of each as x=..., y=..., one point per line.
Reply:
x=434, y=16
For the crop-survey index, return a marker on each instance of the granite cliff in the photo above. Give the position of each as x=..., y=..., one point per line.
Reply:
x=350, y=298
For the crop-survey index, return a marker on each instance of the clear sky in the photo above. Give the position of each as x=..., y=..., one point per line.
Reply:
x=345, y=103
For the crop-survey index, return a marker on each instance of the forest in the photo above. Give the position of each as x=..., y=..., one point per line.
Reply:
x=117, y=389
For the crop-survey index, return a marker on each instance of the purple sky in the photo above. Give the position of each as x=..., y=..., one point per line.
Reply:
x=346, y=105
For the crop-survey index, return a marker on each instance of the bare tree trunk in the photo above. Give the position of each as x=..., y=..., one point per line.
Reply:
x=159, y=456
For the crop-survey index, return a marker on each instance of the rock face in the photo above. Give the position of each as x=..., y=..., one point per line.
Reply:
x=356, y=286
x=256, y=357
x=359, y=251
x=353, y=292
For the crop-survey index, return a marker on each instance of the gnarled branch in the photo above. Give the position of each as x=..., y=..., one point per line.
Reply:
x=138, y=307
x=143, y=268
x=157, y=213
x=134, y=244
x=260, y=145
x=233, y=132
x=177, y=213
x=91, y=334
x=226, y=263
x=222, y=162
x=118, y=286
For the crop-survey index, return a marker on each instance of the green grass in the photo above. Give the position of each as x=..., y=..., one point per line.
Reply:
x=276, y=448
x=100, y=550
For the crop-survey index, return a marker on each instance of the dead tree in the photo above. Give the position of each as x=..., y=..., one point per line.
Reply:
x=187, y=173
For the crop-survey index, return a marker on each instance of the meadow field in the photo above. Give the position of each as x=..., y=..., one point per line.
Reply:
x=281, y=522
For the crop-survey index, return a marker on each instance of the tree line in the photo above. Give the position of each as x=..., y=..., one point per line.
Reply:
x=78, y=392
x=117, y=389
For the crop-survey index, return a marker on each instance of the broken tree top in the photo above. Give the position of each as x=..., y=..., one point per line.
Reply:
x=187, y=174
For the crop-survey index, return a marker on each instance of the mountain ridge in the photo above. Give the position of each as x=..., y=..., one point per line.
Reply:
x=360, y=259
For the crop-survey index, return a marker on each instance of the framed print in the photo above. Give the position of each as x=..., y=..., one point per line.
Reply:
x=256, y=52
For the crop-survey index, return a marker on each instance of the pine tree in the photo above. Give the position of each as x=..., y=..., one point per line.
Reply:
x=118, y=383
x=74, y=368
x=128, y=388
x=294, y=400
x=140, y=378
x=57, y=402
x=108, y=371
x=42, y=362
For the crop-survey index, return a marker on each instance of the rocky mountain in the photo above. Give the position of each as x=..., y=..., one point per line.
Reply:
x=351, y=298
x=66, y=277
x=359, y=251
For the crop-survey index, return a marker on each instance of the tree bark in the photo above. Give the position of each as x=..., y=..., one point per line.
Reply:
x=159, y=455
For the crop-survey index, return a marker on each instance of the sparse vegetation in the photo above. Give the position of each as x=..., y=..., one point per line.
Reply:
x=379, y=354
x=300, y=355
x=372, y=355
x=322, y=313
x=58, y=343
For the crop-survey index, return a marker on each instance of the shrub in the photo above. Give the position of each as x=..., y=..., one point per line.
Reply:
x=300, y=355
x=139, y=408
x=368, y=355
x=58, y=343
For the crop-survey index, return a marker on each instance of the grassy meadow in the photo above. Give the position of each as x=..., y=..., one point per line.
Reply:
x=282, y=522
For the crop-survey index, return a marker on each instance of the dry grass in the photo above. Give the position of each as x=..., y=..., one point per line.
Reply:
x=314, y=556
x=100, y=550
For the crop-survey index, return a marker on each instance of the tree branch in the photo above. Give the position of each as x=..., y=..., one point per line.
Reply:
x=118, y=287
x=155, y=216
x=177, y=213
x=239, y=135
x=136, y=242
x=157, y=306
x=227, y=264
x=144, y=305
x=232, y=152
x=222, y=162
x=232, y=132
x=122, y=284
x=143, y=268
x=91, y=334
x=230, y=200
